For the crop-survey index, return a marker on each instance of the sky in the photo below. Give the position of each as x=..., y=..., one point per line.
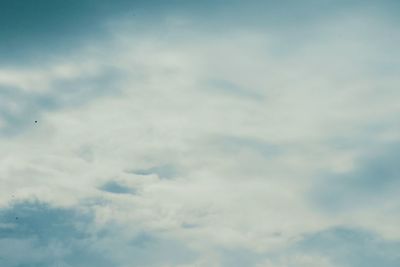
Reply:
x=185, y=133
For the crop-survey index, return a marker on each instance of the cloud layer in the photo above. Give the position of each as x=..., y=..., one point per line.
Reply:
x=187, y=134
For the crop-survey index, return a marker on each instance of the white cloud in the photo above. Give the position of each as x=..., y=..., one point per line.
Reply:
x=298, y=260
x=163, y=111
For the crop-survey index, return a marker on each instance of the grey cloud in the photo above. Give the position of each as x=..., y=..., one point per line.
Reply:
x=374, y=178
x=239, y=257
x=149, y=250
x=86, y=153
x=239, y=143
x=227, y=87
x=53, y=236
x=117, y=188
x=47, y=236
x=63, y=94
x=163, y=171
x=352, y=247
x=337, y=246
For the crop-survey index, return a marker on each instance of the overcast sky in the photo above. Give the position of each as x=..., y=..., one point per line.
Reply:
x=189, y=133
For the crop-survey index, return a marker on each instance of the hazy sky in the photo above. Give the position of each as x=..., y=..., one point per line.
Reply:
x=199, y=133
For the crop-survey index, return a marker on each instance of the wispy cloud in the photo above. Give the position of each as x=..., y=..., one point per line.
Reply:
x=199, y=134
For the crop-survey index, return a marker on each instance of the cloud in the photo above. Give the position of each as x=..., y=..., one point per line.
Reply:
x=163, y=171
x=33, y=32
x=116, y=188
x=343, y=246
x=207, y=138
x=48, y=235
x=53, y=236
x=352, y=247
x=21, y=106
x=59, y=236
x=373, y=179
